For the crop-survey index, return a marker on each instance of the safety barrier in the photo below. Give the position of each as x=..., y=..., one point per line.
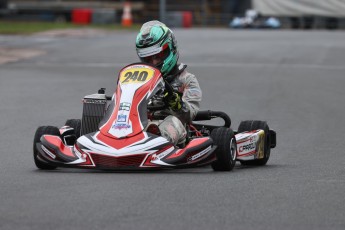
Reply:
x=179, y=19
x=103, y=16
x=81, y=16
x=181, y=13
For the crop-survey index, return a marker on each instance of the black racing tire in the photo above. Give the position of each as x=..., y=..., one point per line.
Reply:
x=76, y=125
x=42, y=130
x=226, y=150
x=254, y=125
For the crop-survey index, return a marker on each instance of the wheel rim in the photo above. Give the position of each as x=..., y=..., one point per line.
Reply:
x=233, y=149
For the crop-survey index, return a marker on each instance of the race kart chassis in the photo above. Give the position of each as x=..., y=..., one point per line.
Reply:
x=114, y=133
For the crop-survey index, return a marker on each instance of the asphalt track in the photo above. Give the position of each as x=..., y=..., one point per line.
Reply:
x=293, y=79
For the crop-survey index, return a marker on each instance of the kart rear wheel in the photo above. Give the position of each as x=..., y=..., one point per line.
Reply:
x=226, y=150
x=42, y=130
x=76, y=125
x=254, y=125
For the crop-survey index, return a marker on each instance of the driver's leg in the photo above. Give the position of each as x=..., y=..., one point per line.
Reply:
x=173, y=130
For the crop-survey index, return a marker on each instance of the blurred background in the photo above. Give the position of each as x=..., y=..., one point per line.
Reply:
x=297, y=14
x=276, y=60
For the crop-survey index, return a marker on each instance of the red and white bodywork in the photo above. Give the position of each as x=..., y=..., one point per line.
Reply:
x=117, y=135
x=250, y=145
x=121, y=142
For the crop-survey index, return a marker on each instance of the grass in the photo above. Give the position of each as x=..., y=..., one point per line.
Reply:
x=14, y=27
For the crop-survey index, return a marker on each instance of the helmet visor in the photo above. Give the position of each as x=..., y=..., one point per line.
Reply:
x=158, y=58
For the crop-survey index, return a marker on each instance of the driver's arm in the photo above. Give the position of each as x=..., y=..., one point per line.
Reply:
x=191, y=97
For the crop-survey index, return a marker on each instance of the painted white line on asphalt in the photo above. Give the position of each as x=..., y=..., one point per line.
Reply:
x=198, y=64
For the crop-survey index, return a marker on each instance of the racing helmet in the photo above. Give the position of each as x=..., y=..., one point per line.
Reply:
x=156, y=45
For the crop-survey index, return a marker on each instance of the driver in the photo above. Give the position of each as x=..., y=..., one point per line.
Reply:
x=156, y=45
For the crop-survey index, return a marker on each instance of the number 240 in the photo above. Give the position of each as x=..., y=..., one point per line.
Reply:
x=135, y=76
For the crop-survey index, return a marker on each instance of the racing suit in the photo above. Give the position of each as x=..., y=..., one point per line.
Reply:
x=186, y=84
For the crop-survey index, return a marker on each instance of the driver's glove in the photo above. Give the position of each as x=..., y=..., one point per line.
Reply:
x=174, y=101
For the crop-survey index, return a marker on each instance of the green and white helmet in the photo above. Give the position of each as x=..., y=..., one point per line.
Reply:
x=156, y=44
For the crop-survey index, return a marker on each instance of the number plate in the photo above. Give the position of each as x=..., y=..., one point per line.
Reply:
x=136, y=75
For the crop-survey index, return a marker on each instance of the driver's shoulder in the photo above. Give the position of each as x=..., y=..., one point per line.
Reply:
x=184, y=76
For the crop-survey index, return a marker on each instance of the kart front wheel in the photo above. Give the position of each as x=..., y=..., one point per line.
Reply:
x=254, y=125
x=226, y=151
x=76, y=125
x=42, y=130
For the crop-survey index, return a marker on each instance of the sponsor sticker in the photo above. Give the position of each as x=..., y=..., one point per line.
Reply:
x=120, y=126
x=200, y=154
x=125, y=106
x=247, y=147
x=121, y=118
x=95, y=101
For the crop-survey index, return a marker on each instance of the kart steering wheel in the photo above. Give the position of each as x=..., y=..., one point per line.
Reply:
x=156, y=106
x=160, y=104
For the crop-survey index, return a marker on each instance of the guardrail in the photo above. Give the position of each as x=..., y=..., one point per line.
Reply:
x=198, y=12
x=60, y=4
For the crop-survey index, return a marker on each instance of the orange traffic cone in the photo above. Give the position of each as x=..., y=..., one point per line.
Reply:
x=127, y=15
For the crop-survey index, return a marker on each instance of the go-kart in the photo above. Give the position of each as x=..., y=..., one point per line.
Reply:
x=116, y=132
